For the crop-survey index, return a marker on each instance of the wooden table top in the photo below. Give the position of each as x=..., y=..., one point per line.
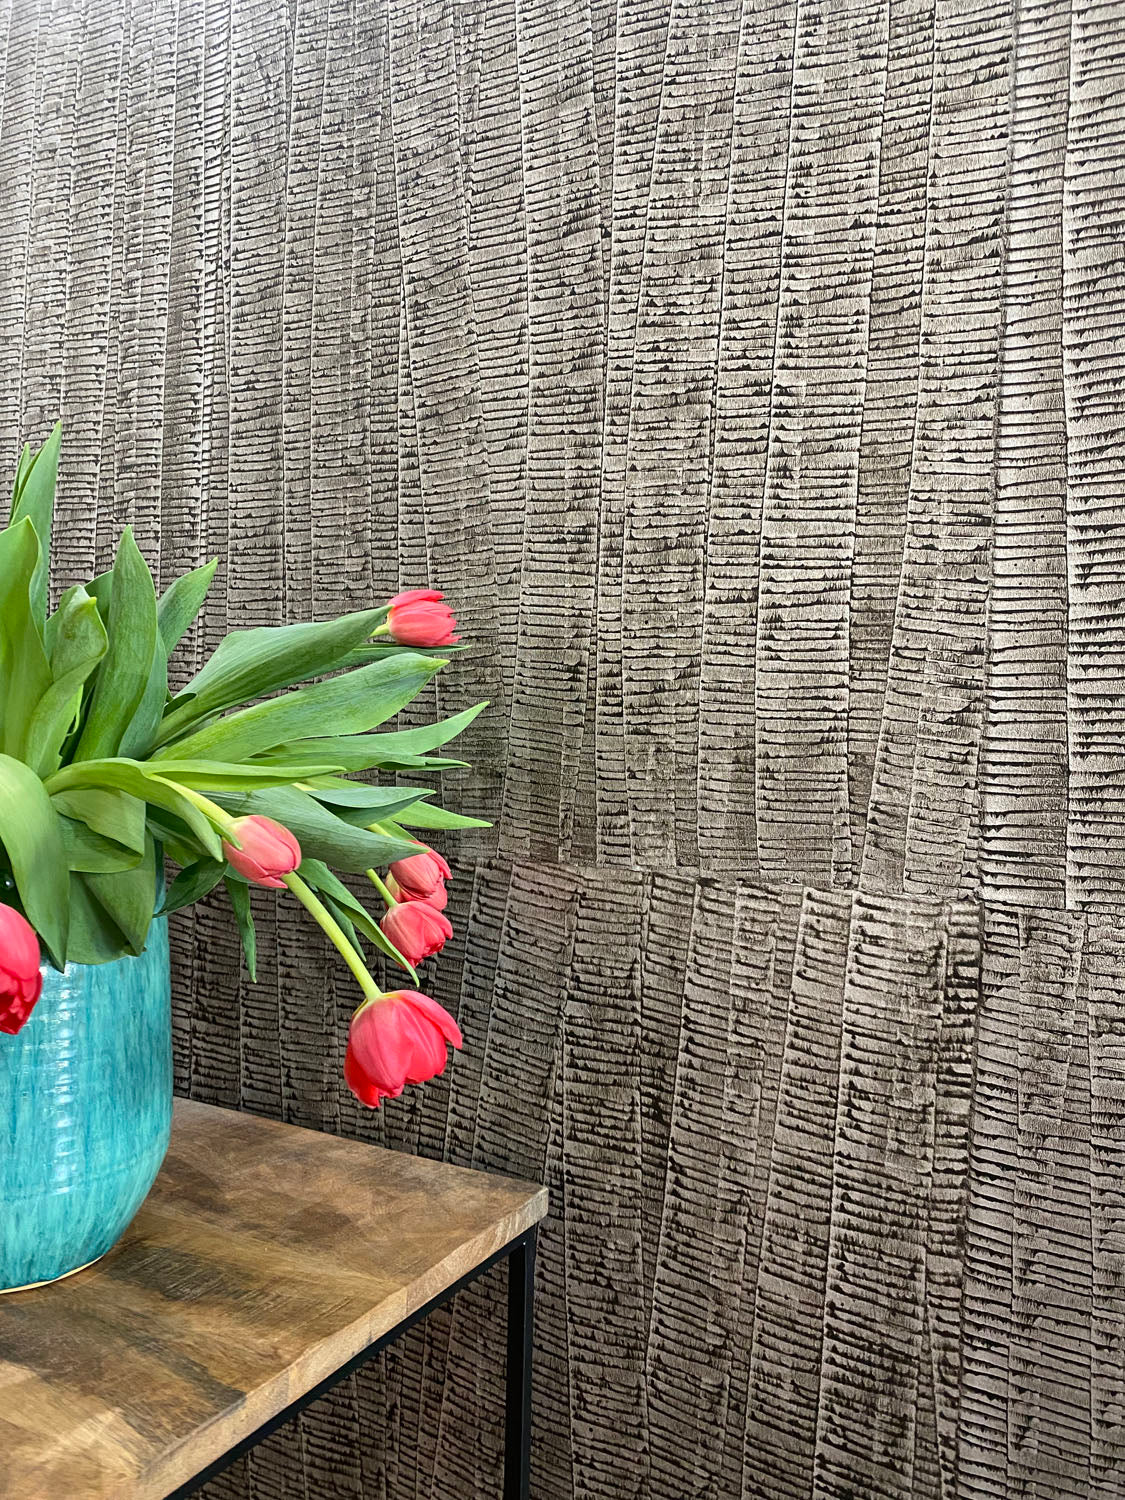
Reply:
x=263, y=1260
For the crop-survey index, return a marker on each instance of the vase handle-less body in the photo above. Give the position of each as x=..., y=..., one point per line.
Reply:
x=85, y=1112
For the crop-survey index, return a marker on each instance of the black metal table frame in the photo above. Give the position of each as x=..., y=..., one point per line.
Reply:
x=520, y=1255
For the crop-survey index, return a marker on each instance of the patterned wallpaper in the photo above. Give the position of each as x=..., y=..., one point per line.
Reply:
x=748, y=373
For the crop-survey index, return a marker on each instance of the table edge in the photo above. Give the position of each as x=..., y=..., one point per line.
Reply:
x=181, y=1102
x=179, y=1464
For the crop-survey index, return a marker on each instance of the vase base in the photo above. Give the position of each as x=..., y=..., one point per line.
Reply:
x=51, y=1280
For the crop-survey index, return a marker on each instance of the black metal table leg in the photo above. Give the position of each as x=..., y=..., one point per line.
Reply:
x=517, y=1434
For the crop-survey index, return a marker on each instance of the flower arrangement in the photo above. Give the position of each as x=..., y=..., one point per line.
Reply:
x=245, y=776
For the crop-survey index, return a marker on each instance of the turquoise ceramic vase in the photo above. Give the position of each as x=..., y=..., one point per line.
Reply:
x=85, y=1112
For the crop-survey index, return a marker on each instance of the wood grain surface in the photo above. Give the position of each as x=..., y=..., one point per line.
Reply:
x=264, y=1259
x=748, y=373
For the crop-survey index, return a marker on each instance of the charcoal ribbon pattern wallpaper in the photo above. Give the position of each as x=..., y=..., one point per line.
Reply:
x=748, y=372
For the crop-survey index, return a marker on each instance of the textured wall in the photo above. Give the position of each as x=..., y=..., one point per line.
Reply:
x=748, y=371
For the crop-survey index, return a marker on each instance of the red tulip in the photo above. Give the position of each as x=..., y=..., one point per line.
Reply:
x=417, y=617
x=420, y=875
x=268, y=850
x=438, y=897
x=395, y=1040
x=416, y=930
x=20, y=979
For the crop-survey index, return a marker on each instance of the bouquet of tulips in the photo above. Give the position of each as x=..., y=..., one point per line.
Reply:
x=104, y=773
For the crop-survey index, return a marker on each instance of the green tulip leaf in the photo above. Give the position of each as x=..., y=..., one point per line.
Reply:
x=137, y=740
x=25, y=673
x=428, y=737
x=124, y=676
x=344, y=922
x=22, y=466
x=424, y=763
x=101, y=589
x=173, y=836
x=145, y=782
x=422, y=815
x=219, y=776
x=34, y=499
x=180, y=602
x=192, y=883
x=33, y=839
x=77, y=643
x=360, y=805
x=355, y=703
x=317, y=874
x=251, y=663
x=399, y=749
x=320, y=833
x=94, y=937
x=380, y=650
x=91, y=853
x=359, y=752
x=113, y=814
x=129, y=898
x=239, y=894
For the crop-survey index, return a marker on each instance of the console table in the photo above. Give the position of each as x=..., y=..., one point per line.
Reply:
x=267, y=1263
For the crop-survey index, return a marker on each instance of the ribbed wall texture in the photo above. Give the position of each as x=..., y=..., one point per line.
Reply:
x=749, y=374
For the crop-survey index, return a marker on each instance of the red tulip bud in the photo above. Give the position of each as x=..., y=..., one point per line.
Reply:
x=20, y=979
x=395, y=1040
x=419, y=875
x=416, y=930
x=438, y=897
x=268, y=850
x=417, y=617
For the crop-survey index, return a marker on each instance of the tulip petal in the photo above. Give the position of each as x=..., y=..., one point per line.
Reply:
x=361, y=1084
x=418, y=618
x=396, y=1040
x=438, y=1015
x=381, y=1047
x=267, y=850
x=21, y=980
x=438, y=897
x=427, y=1057
x=421, y=874
x=412, y=596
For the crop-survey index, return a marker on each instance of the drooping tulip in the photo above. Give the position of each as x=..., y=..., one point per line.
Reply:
x=417, y=617
x=438, y=898
x=268, y=850
x=394, y=1040
x=420, y=875
x=416, y=929
x=21, y=981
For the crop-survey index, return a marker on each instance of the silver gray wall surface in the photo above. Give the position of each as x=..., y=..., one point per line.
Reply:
x=749, y=374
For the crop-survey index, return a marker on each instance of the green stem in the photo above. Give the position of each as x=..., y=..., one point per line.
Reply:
x=210, y=810
x=383, y=629
x=316, y=908
x=380, y=885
